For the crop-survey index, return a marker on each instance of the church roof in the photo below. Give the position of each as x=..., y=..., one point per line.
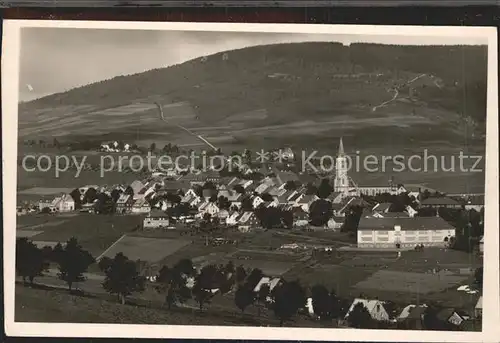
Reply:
x=341, y=148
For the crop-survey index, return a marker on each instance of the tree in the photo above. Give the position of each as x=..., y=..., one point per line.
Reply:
x=223, y=203
x=321, y=302
x=254, y=278
x=289, y=298
x=311, y=189
x=129, y=191
x=173, y=198
x=115, y=194
x=122, y=277
x=210, y=185
x=76, y=196
x=173, y=283
x=239, y=189
x=73, y=261
x=243, y=297
x=241, y=275
x=478, y=276
x=90, y=195
x=30, y=260
x=320, y=212
x=210, y=278
x=152, y=147
x=291, y=185
x=352, y=219
x=266, y=197
x=324, y=189
x=262, y=295
x=359, y=317
x=246, y=204
x=104, y=204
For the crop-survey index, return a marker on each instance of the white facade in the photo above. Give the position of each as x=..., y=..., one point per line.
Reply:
x=374, y=307
x=405, y=238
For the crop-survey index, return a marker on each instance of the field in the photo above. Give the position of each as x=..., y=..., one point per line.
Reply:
x=145, y=249
x=95, y=233
x=45, y=191
x=418, y=283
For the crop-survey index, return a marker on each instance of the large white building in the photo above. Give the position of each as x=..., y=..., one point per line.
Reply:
x=403, y=232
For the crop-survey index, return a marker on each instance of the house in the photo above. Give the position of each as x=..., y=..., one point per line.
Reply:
x=207, y=208
x=412, y=317
x=382, y=208
x=481, y=245
x=451, y=316
x=478, y=309
x=45, y=204
x=335, y=223
x=335, y=197
x=141, y=206
x=155, y=219
x=437, y=202
x=64, y=203
x=247, y=221
x=270, y=282
x=411, y=211
x=404, y=232
x=474, y=202
x=232, y=219
x=257, y=201
x=374, y=307
x=124, y=203
x=300, y=217
x=262, y=188
x=235, y=199
x=306, y=201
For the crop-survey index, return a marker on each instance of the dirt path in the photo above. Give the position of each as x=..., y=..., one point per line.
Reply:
x=396, y=92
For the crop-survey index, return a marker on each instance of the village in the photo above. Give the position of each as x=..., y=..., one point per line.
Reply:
x=402, y=249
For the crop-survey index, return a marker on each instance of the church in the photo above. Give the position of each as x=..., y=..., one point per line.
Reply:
x=345, y=185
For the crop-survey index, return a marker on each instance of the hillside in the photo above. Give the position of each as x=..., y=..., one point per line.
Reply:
x=283, y=94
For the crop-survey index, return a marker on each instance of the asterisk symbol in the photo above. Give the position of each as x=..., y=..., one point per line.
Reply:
x=278, y=156
x=262, y=156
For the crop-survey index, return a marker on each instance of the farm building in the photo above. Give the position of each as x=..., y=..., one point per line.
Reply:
x=271, y=282
x=64, y=203
x=374, y=307
x=412, y=316
x=403, y=232
x=141, y=206
x=451, y=316
x=437, y=202
x=124, y=203
x=155, y=219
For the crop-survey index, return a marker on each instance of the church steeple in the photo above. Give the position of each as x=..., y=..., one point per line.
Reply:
x=341, y=148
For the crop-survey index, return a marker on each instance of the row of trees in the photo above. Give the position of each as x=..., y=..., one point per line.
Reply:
x=181, y=282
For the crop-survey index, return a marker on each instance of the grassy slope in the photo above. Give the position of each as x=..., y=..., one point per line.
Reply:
x=302, y=87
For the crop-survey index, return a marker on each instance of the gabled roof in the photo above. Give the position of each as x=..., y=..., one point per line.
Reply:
x=412, y=312
x=123, y=199
x=439, y=201
x=245, y=217
x=381, y=207
x=406, y=223
x=369, y=304
x=155, y=213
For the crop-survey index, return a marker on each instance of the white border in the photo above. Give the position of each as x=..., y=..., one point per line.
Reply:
x=10, y=86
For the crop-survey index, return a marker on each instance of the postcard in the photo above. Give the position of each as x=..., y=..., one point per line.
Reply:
x=257, y=181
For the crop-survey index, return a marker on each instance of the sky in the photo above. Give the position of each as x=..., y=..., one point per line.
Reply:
x=55, y=60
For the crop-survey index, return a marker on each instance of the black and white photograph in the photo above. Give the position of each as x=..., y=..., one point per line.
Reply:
x=250, y=181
